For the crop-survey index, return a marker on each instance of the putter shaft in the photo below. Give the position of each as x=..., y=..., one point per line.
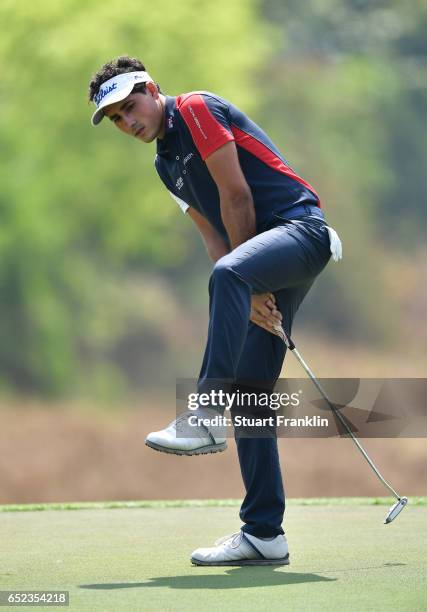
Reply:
x=291, y=346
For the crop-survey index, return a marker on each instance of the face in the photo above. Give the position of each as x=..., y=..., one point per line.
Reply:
x=139, y=115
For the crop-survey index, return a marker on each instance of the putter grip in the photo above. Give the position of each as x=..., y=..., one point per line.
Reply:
x=291, y=345
x=288, y=340
x=284, y=336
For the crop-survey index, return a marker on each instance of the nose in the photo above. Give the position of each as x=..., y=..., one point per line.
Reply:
x=129, y=121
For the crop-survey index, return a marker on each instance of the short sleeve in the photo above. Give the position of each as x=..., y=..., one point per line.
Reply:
x=183, y=205
x=206, y=118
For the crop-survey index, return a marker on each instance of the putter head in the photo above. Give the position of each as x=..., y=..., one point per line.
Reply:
x=395, y=510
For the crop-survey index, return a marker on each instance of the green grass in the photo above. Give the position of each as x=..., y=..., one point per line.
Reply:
x=135, y=556
x=205, y=503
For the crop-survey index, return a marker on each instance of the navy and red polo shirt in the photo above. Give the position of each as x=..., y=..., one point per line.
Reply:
x=197, y=124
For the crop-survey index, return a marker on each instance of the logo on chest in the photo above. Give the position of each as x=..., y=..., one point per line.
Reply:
x=180, y=182
x=187, y=158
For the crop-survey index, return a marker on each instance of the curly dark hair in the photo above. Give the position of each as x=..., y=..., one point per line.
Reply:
x=116, y=66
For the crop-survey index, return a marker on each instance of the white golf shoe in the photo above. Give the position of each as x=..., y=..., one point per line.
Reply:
x=244, y=549
x=197, y=432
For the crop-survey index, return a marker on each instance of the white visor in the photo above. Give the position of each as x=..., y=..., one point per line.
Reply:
x=116, y=89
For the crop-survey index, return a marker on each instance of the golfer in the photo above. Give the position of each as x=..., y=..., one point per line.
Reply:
x=265, y=231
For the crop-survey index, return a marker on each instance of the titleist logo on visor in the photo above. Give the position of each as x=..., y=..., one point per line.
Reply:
x=103, y=92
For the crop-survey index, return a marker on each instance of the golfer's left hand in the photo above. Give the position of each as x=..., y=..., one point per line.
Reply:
x=264, y=312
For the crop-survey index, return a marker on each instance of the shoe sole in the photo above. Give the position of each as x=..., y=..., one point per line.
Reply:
x=283, y=561
x=204, y=450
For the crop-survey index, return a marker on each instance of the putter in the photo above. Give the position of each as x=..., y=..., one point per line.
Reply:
x=401, y=502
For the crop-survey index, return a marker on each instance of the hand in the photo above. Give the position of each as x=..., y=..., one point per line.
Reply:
x=264, y=312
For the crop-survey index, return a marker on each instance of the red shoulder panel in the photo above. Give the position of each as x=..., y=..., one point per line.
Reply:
x=208, y=133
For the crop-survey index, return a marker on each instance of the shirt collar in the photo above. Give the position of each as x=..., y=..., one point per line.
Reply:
x=164, y=144
x=170, y=114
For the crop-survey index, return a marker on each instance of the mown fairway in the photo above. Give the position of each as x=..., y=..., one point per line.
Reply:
x=137, y=558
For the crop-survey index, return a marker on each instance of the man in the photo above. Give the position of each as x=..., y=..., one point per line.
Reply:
x=264, y=228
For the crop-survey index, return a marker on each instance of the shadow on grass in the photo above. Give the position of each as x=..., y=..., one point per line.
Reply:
x=242, y=577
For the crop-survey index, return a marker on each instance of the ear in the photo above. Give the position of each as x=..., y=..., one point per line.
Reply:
x=152, y=89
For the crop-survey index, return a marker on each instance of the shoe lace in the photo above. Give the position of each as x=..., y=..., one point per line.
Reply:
x=234, y=537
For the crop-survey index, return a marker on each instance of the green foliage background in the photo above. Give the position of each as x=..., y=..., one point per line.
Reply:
x=103, y=283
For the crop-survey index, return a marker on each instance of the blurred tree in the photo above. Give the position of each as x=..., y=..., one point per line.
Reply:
x=80, y=207
x=94, y=256
x=382, y=36
x=347, y=92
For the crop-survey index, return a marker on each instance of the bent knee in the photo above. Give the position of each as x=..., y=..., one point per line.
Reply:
x=225, y=272
x=222, y=268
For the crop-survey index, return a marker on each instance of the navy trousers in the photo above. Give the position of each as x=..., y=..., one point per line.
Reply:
x=284, y=260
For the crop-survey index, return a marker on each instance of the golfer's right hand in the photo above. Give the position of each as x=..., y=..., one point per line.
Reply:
x=264, y=312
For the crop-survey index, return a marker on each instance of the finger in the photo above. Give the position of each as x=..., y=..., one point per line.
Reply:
x=277, y=314
x=271, y=301
x=264, y=311
x=271, y=322
x=267, y=317
x=257, y=301
x=261, y=323
x=274, y=321
x=274, y=311
x=271, y=330
x=274, y=315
